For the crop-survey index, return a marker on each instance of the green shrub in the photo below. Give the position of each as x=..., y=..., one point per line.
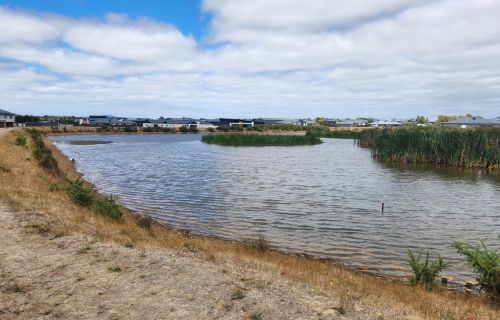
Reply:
x=20, y=141
x=486, y=264
x=183, y=129
x=40, y=151
x=80, y=193
x=211, y=130
x=426, y=272
x=108, y=207
x=4, y=169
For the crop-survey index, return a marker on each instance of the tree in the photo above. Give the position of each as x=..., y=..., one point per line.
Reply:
x=445, y=118
x=321, y=120
x=422, y=120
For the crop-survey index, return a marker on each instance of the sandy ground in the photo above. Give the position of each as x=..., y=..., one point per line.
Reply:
x=46, y=276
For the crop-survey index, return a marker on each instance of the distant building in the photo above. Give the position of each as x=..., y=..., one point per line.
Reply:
x=236, y=122
x=466, y=122
x=389, y=123
x=347, y=123
x=268, y=121
x=7, y=119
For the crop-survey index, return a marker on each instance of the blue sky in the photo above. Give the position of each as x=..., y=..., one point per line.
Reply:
x=185, y=14
x=234, y=58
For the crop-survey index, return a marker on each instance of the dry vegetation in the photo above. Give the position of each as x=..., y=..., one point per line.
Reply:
x=27, y=187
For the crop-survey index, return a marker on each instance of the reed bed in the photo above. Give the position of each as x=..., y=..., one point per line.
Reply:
x=240, y=140
x=456, y=147
x=337, y=134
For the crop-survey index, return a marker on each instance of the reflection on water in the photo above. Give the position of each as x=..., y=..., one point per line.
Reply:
x=324, y=200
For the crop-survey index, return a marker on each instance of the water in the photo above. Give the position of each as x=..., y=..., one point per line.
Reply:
x=323, y=200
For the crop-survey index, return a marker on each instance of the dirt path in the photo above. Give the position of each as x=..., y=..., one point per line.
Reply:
x=45, y=276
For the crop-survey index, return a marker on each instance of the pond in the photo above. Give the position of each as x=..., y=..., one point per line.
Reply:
x=323, y=200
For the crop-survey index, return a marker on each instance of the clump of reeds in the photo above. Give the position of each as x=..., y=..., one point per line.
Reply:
x=462, y=148
x=238, y=140
x=338, y=134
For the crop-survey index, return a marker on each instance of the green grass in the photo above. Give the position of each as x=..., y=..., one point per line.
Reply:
x=240, y=140
x=461, y=148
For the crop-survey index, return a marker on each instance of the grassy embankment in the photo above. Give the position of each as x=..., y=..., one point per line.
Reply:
x=461, y=148
x=28, y=186
x=238, y=140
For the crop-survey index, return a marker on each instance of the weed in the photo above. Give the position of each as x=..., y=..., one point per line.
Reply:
x=426, y=272
x=256, y=316
x=4, y=169
x=115, y=268
x=20, y=140
x=486, y=264
x=144, y=222
x=237, y=294
x=261, y=244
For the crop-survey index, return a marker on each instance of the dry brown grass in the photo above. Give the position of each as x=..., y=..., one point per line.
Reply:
x=26, y=187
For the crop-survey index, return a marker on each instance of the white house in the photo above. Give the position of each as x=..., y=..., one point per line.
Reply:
x=7, y=119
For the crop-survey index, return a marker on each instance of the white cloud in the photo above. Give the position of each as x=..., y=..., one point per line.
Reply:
x=278, y=58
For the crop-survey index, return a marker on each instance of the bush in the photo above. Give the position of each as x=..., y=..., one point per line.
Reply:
x=4, y=169
x=20, y=141
x=81, y=194
x=183, y=129
x=108, y=207
x=40, y=151
x=425, y=273
x=486, y=264
x=211, y=130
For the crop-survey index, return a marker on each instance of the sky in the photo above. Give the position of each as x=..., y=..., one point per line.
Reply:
x=251, y=58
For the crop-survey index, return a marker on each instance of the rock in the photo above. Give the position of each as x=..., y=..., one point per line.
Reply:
x=447, y=279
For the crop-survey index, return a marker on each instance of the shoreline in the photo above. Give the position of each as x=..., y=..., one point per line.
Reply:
x=320, y=274
x=458, y=286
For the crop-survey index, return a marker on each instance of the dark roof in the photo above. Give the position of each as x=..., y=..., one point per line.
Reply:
x=471, y=121
x=6, y=113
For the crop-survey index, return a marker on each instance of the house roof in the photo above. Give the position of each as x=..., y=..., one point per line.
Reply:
x=470, y=121
x=6, y=113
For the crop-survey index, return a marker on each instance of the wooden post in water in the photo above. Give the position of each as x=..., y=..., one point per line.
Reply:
x=382, y=207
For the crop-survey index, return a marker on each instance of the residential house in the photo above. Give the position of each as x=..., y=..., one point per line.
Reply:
x=389, y=123
x=236, y=122
x=7, y=119
x=467, y=122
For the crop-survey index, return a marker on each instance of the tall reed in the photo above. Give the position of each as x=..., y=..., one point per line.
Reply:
x=462, y=148
x=238, y=140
